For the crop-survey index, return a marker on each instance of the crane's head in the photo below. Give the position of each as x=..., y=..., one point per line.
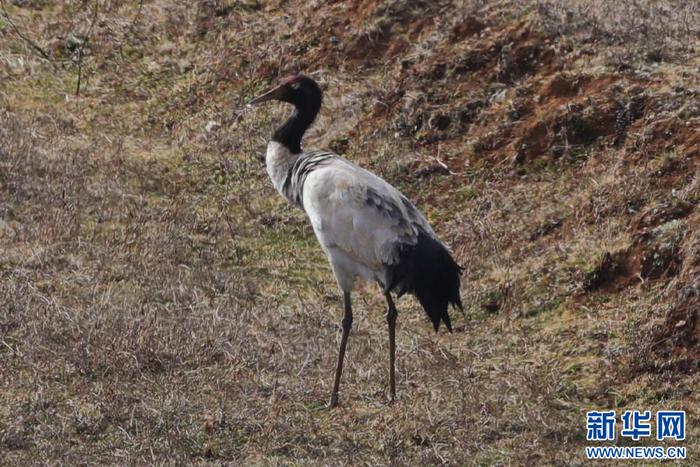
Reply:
x=299, y=90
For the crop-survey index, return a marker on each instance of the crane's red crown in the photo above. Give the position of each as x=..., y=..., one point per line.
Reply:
x=291, y=79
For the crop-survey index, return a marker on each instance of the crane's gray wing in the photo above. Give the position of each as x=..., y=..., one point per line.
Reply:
x=360, y=214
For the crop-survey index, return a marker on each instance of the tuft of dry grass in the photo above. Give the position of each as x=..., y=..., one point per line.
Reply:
x=161, y=304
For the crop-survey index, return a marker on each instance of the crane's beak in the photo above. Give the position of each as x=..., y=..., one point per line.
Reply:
x=277, y=93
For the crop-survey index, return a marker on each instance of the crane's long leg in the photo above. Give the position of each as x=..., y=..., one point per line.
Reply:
x=347, y=325
x=391, y=320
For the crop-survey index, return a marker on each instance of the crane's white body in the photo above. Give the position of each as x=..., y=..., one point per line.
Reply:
x=365, y=226
x=359, y=219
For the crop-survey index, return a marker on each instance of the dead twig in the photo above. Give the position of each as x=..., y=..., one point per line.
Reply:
x=85, y=39
x=37, y=48
x=130, y=30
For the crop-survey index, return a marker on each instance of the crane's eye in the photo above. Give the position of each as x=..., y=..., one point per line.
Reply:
x=296, y=86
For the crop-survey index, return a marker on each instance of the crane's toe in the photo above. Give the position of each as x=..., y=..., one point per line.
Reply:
x=333, y=403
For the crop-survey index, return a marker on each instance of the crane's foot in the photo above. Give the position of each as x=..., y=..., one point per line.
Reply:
x=333, y=403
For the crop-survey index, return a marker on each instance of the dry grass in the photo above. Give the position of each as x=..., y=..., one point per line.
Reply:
x=162, y=305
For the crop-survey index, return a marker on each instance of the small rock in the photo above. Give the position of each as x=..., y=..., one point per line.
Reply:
x=73, y=43
x=440, y=121
x=153, y=66
x=498, y=96
x=211, y=126
x=6, y=231
x=184, y=65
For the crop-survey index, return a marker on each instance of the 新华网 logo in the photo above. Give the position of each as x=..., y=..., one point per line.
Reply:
x=636, y=425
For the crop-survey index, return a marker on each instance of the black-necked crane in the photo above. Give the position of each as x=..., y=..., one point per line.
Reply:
x=366, y=227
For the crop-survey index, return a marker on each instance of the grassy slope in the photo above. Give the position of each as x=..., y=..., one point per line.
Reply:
x=163, y=304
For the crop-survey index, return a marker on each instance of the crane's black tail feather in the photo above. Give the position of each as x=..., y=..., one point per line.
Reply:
x=427, y=270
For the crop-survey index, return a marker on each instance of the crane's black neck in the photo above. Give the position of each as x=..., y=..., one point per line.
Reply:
x=293, y=130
